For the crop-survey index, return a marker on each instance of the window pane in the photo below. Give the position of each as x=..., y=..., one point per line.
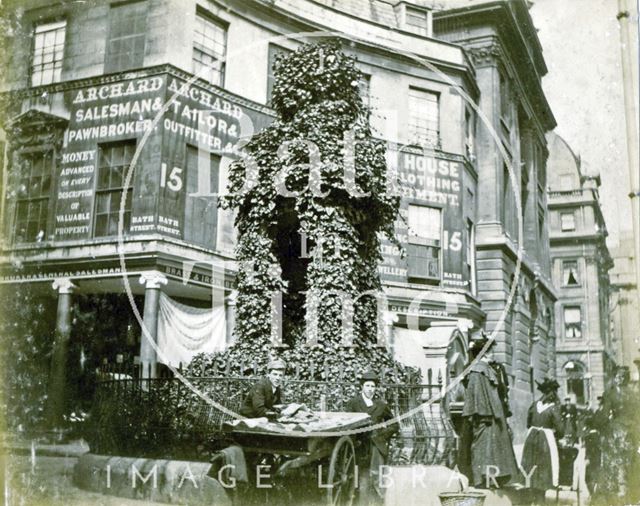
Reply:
x=126, y=36
x=423, y=117
x=424, y=222
x=48, y=51
x=209, y=46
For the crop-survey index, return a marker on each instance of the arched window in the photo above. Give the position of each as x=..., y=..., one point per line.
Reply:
x=576, y=381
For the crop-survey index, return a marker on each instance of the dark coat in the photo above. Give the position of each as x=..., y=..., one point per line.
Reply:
x=379, y=412
x=485, y=439
x=260, y=399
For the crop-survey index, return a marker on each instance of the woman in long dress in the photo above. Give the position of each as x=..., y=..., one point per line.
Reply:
x=540, y=461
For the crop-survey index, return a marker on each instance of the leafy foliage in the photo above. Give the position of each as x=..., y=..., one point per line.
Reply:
x=296, y=181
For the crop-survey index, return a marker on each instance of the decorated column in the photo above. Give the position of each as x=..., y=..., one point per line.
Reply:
x=57, y=381
x=152, y=280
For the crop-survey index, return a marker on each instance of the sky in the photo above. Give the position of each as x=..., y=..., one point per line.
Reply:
x=581, y=44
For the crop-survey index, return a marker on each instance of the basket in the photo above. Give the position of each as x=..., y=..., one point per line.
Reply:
x=461, y=498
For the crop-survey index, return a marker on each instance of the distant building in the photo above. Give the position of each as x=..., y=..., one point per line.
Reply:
x=587, y=350
x=625, y=313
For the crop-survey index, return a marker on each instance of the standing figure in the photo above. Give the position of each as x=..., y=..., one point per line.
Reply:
x=266, y=393
x=486, y=454
x=376, y=454
x=540, y=447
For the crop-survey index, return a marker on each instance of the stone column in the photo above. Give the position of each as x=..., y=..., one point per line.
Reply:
x=57, y=375
x=152, y=281
x=230, y=315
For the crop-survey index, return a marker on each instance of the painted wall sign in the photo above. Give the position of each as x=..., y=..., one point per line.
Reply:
x=434, y=251
x=168, y=196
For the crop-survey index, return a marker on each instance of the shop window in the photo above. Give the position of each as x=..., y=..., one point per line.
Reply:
x=424, y=112
x=423, y=248
x=201, y=208
x=126, y=44
x=209, y=49
x=32, y=198
x=573, y=322
x=48, y=52
x=567, y=221
x=114, y=160
x=570, y=276
x=576, y=381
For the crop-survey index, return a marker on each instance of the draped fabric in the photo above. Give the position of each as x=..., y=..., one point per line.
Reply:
x=185, y=331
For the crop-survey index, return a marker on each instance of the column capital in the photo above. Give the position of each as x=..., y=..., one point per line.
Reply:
x=63, y=285
x=153, y=279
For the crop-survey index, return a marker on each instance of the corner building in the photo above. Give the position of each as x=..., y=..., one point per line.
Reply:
x=91, y=86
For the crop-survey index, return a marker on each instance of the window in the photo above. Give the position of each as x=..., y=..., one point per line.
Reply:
x=126, y=45
x=418, y=21
x=572, y=322
x=505, y=102
x=506, y=194
x=470, y=134
x=209, y=49
x=577, y=383
x=274, y=52
x=364, y=86
x=570, y=275
x=567, y=221
x=471, y=255
x=423, y=248
x=48, y=52
x=201, y=212
x=32, y=203
x=424, y=118
x=114, y=160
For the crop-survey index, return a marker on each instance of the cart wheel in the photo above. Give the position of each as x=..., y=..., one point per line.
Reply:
x=342, y=473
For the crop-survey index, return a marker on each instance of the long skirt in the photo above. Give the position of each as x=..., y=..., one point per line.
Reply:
x=540, y=450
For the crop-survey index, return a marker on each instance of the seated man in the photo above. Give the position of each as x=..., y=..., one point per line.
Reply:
x=366, y=402
x=266, y=393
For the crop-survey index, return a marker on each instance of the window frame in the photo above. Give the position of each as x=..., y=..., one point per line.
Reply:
x=60, y=53
x=113, y=190
x=222, y=25
x=272, y=52
x=43, y=197
x=113, y=64
x=577, y=275
x=422, y=243
x=565, y=324
x=414, y=130
x=570, y=228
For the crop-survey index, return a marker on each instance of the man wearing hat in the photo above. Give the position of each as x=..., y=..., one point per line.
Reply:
x=486, y=453
x=266, y=393
x=366, y=401
x=540, y=447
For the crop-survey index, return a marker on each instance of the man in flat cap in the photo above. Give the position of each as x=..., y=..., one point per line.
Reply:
x=266, y=393
x=540, y=458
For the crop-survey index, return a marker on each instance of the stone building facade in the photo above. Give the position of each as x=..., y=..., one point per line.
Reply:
x=587, y=350
x=86, y=93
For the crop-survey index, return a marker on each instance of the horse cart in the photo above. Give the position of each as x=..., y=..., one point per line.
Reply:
x=327, y=442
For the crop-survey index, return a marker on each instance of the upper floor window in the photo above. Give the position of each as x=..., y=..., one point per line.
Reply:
x=567, y=221
x=469, y=134
x=570, y=276
x=572, y=322
x=48, y=52
x=364, y=88
x=32, y=203
x=424, y=113
x=424, y=242
x=201, y=211
x=274, y=52
x=506, y=106
x=209, y=49
x=418, y=21
x=113, y=163
x=126, y=44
